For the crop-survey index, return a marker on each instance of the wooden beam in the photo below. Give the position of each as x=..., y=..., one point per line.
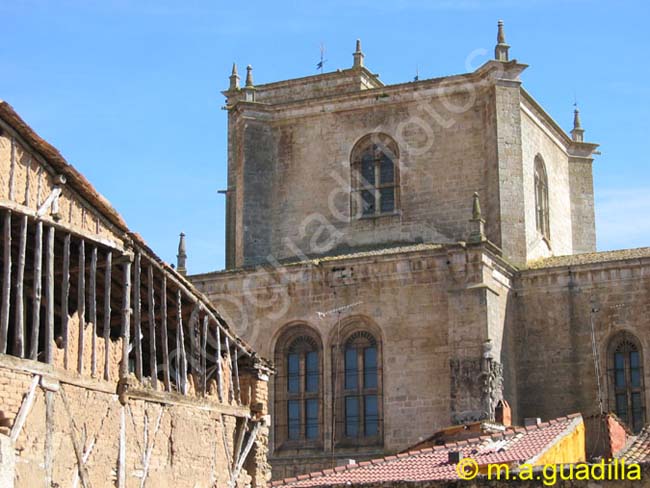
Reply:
x=121, y=460
x=244, y=454
x=6, y=283
x=25, y=407
x=181, y=347
x=81, y=305
x=92, y=305
x=204, y=353
x=81, y=467
x=65, y=293
x=238, y=442
x=126, y=324
x=49, y=436
x=231, y=386
x=163, y=333
x=49, y=295
x=153, y=364
x=37, y=290
x=107, y=314
x=12, y=171
x=219, y=368
x=137, y=317
x=236, y=370
x=19, y=325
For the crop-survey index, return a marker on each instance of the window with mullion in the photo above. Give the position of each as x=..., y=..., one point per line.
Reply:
x=376, y=181
x=361, y=395
x=303, y=395
x=627, y=380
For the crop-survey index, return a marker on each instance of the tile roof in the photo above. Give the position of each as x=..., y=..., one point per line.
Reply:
x=515, y=445
x=590, y=258
x=639, y=449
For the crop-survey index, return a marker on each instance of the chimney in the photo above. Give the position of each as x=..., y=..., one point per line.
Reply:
x=532, y=421
x=454, y=457
x=503, y=413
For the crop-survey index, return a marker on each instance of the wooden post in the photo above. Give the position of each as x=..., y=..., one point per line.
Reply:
x=231, y=386
x=163, y=333
x=236, y=369
x=49, y=295
x=204, y=353
x=126, y=323
x=219, y=369
x=121, y=460
x=179, y=325
x=65, y=292
x=92, y=304
x=183, y=358
x=152, y=331
x=81, y=304
x=36, y=299
x=19, y=332
x=49, y=436
x=107, y=314
x=137, y=317
x=6, y=283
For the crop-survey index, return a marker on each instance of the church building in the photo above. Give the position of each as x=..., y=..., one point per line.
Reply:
x=418, y=255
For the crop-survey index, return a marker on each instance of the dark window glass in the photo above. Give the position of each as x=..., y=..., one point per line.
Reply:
x=621, y=406
x=293, y=414
x=634, y=359
x=386, y=170
x=367, y=170
x=311, y=369
x=370, y=367
x=351, y=416
x=371, y=415
x=387, y=199
x=293, y=373
x=619, y=360
x=350, y=369
x=311, y=418
x=368, y=202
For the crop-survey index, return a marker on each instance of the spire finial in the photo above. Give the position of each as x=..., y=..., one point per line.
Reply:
x=249, y=76
x=578, y=133
x=501, y=49
x=181, y=257
x=234, y=78
x=358, y=56
x=477, y=222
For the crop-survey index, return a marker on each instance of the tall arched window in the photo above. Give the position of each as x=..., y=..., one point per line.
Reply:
x=626, y=380
x=375, y=176
x=541, y=198
x=298, y=388
x=359, y=389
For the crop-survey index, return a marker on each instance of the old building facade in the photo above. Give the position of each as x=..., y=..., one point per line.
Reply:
x=412, y=254
x=114, y=369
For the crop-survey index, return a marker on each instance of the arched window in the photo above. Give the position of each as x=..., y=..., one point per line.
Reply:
x=626, y=380
x=359, y=389
x=298, y=388
x=541, y=198
x=375, y=176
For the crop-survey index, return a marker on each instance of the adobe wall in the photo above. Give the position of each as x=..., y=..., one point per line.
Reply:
x=553, y=340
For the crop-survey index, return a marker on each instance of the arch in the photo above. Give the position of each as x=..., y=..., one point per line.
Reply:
x=298, y=387
x=542, y=220
x=374, y=163
x=625, y=379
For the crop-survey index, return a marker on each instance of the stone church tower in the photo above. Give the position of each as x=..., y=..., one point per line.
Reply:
x=412, y=254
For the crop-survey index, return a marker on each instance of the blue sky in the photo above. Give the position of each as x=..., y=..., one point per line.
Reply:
x=129, y=91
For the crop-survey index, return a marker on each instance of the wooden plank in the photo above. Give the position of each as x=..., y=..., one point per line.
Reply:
x=19, y=324
x=81, y=304
x=92, y=305
x=6, y=283
x=126, y=321
x=107, y=314
x=65, y=295
x=25, y=407
x=37, y=290
x=153, y=361
x=137, y=317
x=163, y=333
x=49, y=295
x=204, y=353
x=219, y=368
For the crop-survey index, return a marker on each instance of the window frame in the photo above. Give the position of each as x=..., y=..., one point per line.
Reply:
x=381, y=146
x=360, y=391
x=542, y=209
x=626, y=344
x=301, y=340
